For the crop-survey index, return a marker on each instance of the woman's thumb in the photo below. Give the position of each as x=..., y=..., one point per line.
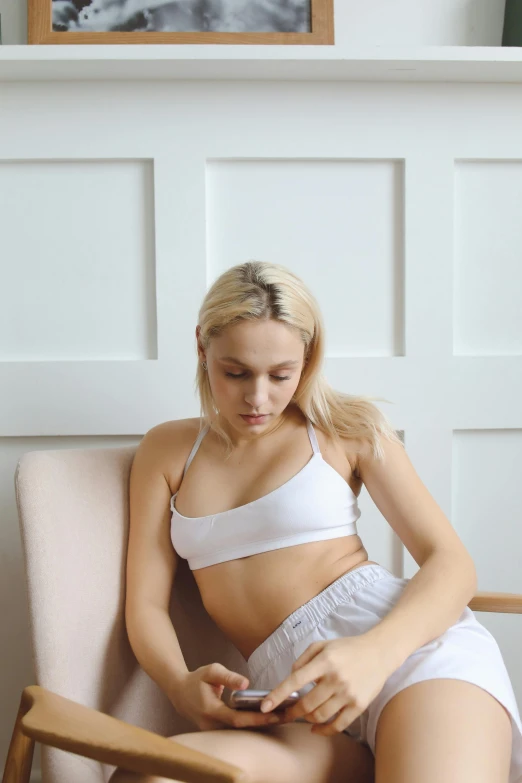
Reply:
x=218, y=674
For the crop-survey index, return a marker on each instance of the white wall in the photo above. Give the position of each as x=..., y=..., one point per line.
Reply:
x=411, y=22
x=399, y=205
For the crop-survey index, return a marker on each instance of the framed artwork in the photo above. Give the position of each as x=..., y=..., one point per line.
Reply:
x=180, y=21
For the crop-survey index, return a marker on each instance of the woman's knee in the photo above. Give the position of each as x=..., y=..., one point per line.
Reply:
x=270, y=755
x=288, y=752
x=277, y=755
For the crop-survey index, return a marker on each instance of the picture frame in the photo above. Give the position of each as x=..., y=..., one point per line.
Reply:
x=287, y=22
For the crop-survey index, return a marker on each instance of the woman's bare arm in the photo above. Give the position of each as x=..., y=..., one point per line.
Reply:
x=151, y=563
x=446, y=581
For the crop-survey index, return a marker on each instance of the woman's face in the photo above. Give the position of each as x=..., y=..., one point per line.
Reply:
x=254, y=367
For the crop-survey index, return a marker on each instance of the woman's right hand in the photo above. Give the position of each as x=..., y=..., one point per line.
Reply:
x=198, y=698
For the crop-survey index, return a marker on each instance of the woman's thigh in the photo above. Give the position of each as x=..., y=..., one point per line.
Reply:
x=278, y=754
x=443, y=730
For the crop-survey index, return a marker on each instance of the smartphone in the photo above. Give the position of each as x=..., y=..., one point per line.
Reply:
x=251, y=700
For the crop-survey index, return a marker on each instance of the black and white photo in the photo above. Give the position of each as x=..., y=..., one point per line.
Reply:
x=220, y=16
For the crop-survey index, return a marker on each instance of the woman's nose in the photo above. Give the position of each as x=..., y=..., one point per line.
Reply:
x=257, y=394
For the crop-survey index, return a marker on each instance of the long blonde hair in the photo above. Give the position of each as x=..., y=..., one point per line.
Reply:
x=260, y=290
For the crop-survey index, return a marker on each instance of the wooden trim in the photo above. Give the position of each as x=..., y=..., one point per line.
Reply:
x=511, y=603
x=61, y=723
x=20, y=754
x=39, y=31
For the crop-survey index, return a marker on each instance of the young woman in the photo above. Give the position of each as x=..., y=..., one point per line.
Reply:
x=399, y=682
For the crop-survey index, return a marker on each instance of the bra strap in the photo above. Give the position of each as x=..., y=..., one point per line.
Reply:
x=313, y=437
x=195, y=447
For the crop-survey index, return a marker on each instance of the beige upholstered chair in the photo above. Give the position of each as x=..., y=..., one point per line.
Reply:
x=94, y=708
x=73, y=512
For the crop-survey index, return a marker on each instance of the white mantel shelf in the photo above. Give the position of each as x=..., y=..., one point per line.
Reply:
x=218, y=62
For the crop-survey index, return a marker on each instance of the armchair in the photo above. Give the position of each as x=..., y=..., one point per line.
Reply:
x=94, y=708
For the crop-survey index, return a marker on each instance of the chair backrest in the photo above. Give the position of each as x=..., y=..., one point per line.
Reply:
x=73, y=513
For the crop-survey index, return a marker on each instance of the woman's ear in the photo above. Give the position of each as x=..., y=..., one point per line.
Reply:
x=201, y=352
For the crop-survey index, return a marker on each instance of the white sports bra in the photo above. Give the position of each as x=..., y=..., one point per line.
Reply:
x=314, y=505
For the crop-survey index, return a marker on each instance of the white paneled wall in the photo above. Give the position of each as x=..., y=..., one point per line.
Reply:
x=488, y=251
x=338, y=222
x=487, y=512
x=92, y=231
x=399, y=204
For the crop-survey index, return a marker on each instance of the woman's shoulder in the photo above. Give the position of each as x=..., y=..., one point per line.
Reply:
x=338, y=447
x=170, y=442
x=175, y=426
x=174, y=436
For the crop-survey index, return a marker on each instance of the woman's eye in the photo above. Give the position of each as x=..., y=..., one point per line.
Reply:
x=242, y=375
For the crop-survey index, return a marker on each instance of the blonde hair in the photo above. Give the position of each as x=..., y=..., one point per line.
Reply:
x=260, y=290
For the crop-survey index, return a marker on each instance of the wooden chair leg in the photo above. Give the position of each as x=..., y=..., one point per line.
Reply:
x=20, y=755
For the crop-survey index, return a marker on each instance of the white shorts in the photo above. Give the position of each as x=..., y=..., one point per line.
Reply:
x=352, y=605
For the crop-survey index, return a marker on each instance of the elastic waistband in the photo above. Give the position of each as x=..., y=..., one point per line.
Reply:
x=306, y=617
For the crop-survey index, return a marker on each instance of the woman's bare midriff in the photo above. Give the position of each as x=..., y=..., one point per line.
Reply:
x=249, y=597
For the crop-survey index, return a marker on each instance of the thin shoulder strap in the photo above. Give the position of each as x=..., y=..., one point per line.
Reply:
x=195, y=447
x=313, y=437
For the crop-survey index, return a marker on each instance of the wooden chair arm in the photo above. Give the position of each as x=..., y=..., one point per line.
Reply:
x=54, y=720
x=497, y=602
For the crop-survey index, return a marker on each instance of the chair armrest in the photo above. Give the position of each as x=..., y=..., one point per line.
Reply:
x=65, y=724
x=497, y=602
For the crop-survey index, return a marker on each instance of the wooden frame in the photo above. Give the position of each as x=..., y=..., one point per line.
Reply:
x=53, y=720
x=40, y=31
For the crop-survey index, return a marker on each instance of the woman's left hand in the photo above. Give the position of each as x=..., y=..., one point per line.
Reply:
x=348, y=672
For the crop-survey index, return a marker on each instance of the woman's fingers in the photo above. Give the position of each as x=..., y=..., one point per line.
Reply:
x=310, y=652
x=241, y=719
x=310, y=672
x=322, y=709
x=217, y=674
x=339, y=722
x=311, y=701
x=329, y=711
